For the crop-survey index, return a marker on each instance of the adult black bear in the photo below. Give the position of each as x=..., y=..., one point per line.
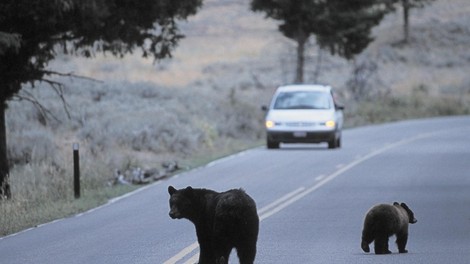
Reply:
x=223, y=221
x=383, y=221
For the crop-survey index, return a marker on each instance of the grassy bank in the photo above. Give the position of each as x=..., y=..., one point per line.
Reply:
x=44, y=192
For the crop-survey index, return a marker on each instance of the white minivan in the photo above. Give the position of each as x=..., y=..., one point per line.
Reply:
x=303, y=113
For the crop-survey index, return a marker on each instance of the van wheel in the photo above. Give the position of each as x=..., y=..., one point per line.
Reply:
x=272, y=144
x=334, y=143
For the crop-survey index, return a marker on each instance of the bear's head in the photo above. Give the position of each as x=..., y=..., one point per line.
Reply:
x=411, y=215
x=181, y=203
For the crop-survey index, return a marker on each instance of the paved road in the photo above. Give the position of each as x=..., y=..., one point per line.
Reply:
x=311, y=202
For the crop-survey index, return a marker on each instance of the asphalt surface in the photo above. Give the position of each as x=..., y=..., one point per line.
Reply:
x=311, y=202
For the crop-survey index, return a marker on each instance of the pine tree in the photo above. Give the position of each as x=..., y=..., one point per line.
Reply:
x=299, y=21
x=343, y=27
x=346, y=26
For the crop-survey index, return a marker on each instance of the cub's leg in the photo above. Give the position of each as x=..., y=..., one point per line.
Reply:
x=367, y=238
x=402, y=238
x=381, y=245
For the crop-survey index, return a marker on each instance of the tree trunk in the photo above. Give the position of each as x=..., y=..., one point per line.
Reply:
x=406, y=14
x=318, y=68
x=299, y=77
x=5, y=191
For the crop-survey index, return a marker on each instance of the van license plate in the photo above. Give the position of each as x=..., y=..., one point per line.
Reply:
x=300, y=134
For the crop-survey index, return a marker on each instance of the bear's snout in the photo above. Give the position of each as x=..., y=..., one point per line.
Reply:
x=174, y=214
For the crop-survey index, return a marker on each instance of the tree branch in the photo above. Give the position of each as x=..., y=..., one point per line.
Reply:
x=27, y=96
x=57, y=87
x=70, y=74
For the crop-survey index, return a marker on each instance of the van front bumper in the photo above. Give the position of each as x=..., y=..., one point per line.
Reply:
x=301, y=137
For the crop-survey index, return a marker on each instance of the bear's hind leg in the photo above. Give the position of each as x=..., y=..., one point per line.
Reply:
x=221, y=260
x=222, y=248
x=402, y=239
x=222, y=252
x=246, y=252
x=381, y=245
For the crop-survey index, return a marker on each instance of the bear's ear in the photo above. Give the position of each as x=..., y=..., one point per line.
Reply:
x=171, y=190
x=189, y=188
x=411, y=215
x=395, y=203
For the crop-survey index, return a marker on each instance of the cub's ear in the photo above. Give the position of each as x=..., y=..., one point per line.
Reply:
x=404, y=206
x=395, y=203
x=171, y=190
x=189, y=188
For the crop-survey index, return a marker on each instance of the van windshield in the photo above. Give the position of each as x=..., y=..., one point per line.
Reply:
x=303, y=100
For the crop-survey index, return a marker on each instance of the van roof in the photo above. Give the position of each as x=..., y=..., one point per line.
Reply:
x=304, y=87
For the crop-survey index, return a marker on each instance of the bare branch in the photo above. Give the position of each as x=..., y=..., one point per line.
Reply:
x=70, y=74
x=57, y=87
x=27, y=96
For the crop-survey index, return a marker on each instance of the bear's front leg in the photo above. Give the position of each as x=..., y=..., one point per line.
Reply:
x=365, y=246
x=367, y=238
x=206, y=255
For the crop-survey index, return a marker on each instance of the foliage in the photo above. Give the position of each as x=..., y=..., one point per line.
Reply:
x=9, y=41
x=346, y=26
x=83, y=28
x=31, y=32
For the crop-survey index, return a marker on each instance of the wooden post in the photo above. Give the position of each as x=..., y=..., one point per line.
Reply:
x=76, y=171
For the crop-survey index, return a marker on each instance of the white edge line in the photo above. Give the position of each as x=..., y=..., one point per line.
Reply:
x=280, y=200
x=193, y=259
x=229, y=157
x=182, y=253
x=110, y=202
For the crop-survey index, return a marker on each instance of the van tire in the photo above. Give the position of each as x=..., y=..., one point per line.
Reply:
x=332, y=144
x=272, y=144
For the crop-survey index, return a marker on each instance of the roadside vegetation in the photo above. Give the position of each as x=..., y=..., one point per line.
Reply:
x=211, y=108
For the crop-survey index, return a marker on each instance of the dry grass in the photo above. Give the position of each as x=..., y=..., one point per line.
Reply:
x=42, y=193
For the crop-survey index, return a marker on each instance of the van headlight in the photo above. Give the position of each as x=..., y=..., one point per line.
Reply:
x=330, y=123
x=269, y=124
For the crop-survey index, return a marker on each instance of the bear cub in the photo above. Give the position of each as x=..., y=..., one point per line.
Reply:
x=383, y=221
x=223, y=221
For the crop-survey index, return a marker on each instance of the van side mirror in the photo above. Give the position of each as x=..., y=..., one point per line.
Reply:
x=339, y=107
x=264, y=108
